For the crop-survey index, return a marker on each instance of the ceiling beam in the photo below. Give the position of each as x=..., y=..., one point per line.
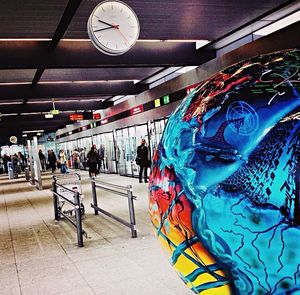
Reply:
x=65, y=21
x=82, y=54
x=60, y=31
x=61, y=90
x=64, y=106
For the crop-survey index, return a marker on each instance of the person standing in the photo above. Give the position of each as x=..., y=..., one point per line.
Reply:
x=76, y=158
x=82, y=158
x=142, y=159
x=42, y=160
x=92, y=160
x=52, y=160
x=22, y=160
x=6, y=159
x=63, y=161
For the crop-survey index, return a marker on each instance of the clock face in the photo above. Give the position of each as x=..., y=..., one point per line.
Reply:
x=113, y=27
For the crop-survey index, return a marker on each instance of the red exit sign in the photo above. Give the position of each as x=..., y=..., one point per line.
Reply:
x=96, y=116
x=76, y=117
x=137, y=110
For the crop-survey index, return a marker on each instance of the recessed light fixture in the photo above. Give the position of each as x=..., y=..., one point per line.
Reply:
x=284, y=22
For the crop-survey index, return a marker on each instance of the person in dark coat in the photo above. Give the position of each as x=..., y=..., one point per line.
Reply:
x=92, y=160
x=5, y=159
x=42, y=160
x=52, y=160
x=143, y=159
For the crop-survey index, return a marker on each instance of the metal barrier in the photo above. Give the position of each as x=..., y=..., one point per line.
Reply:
x=27, y=174
x=76, y=203
x=119, y=190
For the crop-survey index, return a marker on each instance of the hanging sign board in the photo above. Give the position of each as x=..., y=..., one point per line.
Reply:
x=137, y=110
x=76, y=117
x=54, y=112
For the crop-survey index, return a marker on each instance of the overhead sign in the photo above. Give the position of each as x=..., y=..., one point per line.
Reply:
x=166, y=99
x=137, y=110
x=96, y=116
x=49, y=116
x=76, y=117
x=55, y=112
x=157, y=102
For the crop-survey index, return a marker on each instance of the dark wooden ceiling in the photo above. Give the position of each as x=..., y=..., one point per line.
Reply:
x=39, y=64
x=167, y=19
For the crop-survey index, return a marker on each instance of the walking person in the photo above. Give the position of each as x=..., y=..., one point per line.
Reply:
x=52, y=160
x=76, y=158
x=142, y=160
x=92, y=160
x=63, y=161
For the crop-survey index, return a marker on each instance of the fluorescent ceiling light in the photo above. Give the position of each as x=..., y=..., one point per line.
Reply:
x=15, y=83
x=87, y=81
x=25, y=39
x=201, y=43
x=172, y=40
x=11, y=114
x=9, y=103
x=24, y=135
x=33, y=113
x=284, y=22
x=186, y=69
x=32, y=131
x=39, y=101
x=76, y=40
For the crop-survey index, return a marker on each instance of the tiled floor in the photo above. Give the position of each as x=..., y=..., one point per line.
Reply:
x=39, y=255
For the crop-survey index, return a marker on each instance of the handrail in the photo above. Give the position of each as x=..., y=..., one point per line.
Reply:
x=110, y=184
x=115, y=189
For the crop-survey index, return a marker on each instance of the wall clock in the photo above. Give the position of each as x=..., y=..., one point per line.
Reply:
x=13, y=139
x=113, y=27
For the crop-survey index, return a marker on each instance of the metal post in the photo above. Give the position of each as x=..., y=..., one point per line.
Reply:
x=31, y=162
x=78, y=219
x=131, y=211
x=55, y=199
x=27, y=177
x=94, y=194
x=37, y=163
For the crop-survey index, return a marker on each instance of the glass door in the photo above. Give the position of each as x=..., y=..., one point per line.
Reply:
x=108, y=149
x=121, y=134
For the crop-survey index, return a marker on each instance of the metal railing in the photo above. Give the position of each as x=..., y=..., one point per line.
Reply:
x=118, y=190
x=58, y=212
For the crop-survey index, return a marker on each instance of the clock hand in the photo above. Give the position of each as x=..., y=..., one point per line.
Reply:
x=104, y=29
x=118, y=28
x=126, y=40
x=111, y=25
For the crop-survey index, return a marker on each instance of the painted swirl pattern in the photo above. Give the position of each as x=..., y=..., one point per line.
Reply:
x=224, y=192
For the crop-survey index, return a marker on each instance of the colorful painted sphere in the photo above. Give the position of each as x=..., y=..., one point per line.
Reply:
x=224, y=192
